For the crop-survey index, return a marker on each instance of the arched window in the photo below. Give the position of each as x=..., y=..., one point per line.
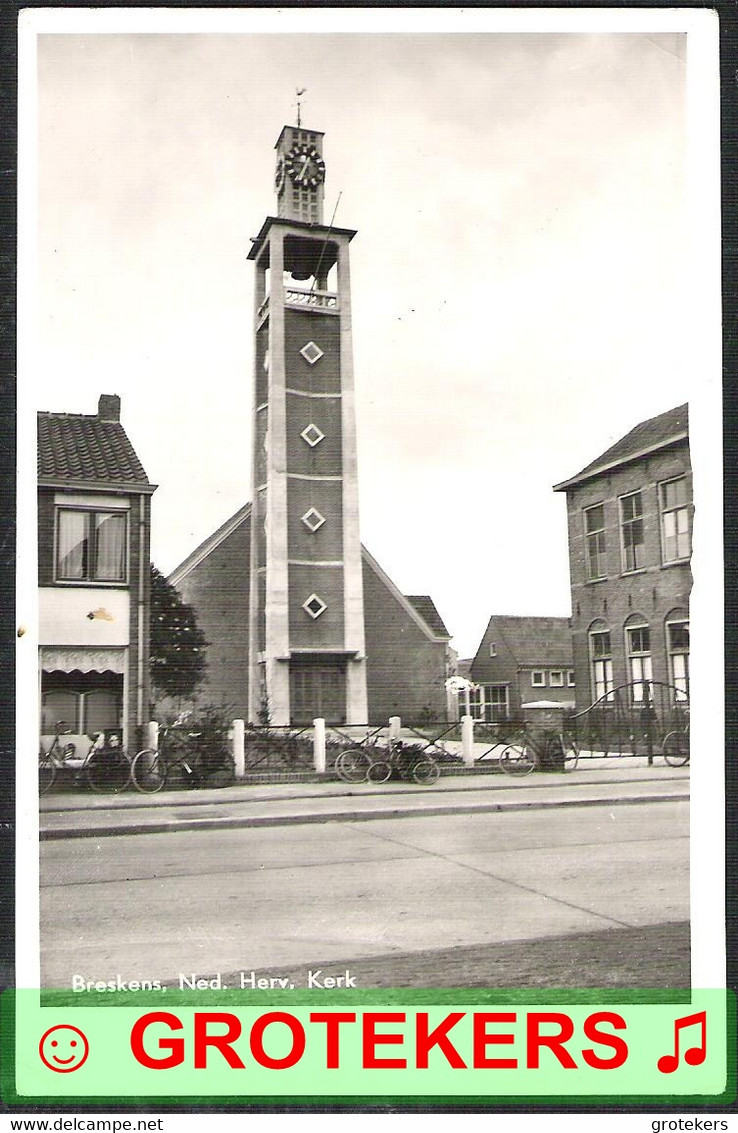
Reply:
x=638, y=652
x=600, y=658
x=677, y=651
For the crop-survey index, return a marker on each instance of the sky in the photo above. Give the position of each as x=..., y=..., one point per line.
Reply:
x=522, y=285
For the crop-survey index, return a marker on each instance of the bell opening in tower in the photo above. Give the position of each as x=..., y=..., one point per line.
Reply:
x=308, y=258
x=325, y=282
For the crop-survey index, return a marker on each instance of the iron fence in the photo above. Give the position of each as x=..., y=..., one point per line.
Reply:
x=630, y=720
x=270, y=749
x=207, y=749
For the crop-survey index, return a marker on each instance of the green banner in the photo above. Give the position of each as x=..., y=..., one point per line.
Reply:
x=375, y=1046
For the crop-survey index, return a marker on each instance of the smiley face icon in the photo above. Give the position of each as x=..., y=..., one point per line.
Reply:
x=63, y=1048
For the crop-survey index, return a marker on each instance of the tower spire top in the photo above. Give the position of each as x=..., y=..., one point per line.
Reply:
x=299, y=91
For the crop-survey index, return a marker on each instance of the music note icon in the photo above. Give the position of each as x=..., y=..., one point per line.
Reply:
x=694, y=1055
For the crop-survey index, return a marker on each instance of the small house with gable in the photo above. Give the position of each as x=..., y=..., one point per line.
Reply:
x=521, y=660
x=94, y=516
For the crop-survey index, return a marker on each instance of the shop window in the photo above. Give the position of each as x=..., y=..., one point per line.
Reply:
x=86, y=702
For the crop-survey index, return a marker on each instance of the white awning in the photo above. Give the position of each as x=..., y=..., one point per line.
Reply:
x=58, y=659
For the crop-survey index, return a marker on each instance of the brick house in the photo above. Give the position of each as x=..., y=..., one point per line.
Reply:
x=630, y=522
x=94, y=507
x=519, y=660
x=406, y=642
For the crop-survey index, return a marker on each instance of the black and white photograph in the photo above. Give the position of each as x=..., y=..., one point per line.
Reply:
x=370, y=574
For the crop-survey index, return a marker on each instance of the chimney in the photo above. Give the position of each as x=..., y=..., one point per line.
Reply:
x=108, y=407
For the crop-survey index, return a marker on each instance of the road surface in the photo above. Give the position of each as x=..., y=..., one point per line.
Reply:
x=201, y=902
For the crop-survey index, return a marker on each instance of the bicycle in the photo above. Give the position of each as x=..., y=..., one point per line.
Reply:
x=675, y=747
x=105, y=767
x=153, y=768
x=407, y=762
x=525, y=754
x=359, y=765
x=352, y=765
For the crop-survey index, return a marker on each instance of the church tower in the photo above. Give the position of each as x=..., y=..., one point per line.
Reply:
x=307, y=611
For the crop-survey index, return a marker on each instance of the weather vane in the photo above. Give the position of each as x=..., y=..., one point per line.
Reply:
x=299, y=91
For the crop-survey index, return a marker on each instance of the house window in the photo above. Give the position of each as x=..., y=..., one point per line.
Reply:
x=570, y=681
x=538, y=678
x=677, y=642
x=91, y=546
x=676, y=543
x=594, y=527
x=476, y=703
x=556, y=678
x=600, y=652
x=496, y=705
x=488, y=703
x=638, y=645
x=492, y=649
x=631, y=531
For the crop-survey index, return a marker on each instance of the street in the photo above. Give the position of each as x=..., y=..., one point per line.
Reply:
x=265, y=899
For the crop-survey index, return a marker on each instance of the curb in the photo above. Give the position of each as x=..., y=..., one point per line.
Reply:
x=231, y=822
x=447, y=785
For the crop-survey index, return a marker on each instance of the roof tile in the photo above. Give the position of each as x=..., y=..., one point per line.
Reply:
x=534, y=641
x=76, y=446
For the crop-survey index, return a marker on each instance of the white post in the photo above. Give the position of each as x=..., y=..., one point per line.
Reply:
x=395, y=725
x=238, y=748
x=467, y=740
x=151, y=735
x=319, y=745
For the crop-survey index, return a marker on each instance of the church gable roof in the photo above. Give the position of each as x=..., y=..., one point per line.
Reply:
x=420, y=607
x=209, y=545
x=426, y=607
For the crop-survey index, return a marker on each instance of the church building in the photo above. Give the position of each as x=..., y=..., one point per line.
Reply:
x=302, y=622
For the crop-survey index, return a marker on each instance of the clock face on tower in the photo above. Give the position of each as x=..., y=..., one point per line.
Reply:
x=305, y=166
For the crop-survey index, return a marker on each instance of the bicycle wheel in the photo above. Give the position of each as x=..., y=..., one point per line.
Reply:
x=675, y=748
x=46, y=772
x=108, y=771
x=571, y=753
x=519, y=758
x=379, y=772
x=353, y=765
x=425, y=771
x=148, y=771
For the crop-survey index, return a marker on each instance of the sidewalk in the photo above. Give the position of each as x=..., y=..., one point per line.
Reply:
x=78, y=814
